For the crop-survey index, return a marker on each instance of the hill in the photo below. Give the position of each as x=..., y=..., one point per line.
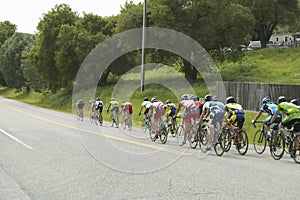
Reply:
x=272, y=65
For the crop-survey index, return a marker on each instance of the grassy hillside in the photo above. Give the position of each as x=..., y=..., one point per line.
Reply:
x=280, y=65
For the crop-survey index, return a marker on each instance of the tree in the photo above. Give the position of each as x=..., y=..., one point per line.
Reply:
x=7, y=29
x=271, y=14
x=42, y=55
x=11, y=58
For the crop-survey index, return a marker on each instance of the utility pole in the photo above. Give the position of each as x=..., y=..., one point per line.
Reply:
x=143, y=47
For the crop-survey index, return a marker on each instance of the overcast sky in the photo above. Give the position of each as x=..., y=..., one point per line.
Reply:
x=27, y=13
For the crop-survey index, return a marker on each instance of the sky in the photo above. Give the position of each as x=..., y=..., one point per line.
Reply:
x=26, y=14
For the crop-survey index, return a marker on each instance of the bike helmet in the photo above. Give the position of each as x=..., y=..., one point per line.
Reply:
x=168, y=101
x=146, y=99
x=266, y=99
x=208, y=97
x=215, y=98
x=281, y=99
x=184, y=97
x=295, y=101
x=230, y=99
x=113, y=99
x=153, y=100
x=97, y=99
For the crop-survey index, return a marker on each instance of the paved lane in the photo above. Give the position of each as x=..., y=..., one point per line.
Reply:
x=52, y=156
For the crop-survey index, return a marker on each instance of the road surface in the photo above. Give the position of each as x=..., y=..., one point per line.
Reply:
x=46, y=154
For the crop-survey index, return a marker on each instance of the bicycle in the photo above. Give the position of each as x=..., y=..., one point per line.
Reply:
x=80, y=114
x=114, y=119
x=162, y=134
x=170, y=127
x=94, y=117
x=276, y=141
x=191, y=136
x=241, y=139
x=294, y=145
x=127, y=121
x=202, y=137
x=146, y=124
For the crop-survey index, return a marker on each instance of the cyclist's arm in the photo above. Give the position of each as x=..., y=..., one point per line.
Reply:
x=257, y=116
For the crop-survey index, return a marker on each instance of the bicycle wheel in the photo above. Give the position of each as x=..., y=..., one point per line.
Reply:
x=100, y=119
x=116, y=118
x=194, y=138
x=203, y=139
x=242, y=138
x=277, y=145
x=218, y=147
x=180, y=135
x=91, y=117
x=295, y=149
x=259, y=142
x=145, y=124
x=124, y=123
x=129, y=125
x=153, y=135
x=163, y=135
x=111, y=121
x=226, y=139
x=96, y=118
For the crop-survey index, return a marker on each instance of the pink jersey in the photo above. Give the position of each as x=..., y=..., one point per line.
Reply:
x=157, y=106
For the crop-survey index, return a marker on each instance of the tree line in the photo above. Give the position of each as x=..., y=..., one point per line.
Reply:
x=50, y=58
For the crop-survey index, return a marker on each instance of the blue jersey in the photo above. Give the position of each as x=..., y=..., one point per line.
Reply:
x=269, y=108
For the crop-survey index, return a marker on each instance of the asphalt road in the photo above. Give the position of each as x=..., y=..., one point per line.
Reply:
x=46, y=154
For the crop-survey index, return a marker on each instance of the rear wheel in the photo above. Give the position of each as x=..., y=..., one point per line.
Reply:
x=163, y=136
x=180, y=135
x=226, y=139
x=203, y=139
x=259, y=142
x=295, y=149
x=194, y=138
x=219, y=148
x=242, y=138
x=277, y=145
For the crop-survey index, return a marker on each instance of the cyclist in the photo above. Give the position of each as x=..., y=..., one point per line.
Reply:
x=170, y=111
x=126, y=109
x=114, y=106
x=191, y=112
x=156, y=112
x=296, y=102
x=268, y=107
x=98, y=106
x=145, y=105
x=292, y=115
x=235, y=115
x=80, y=105
x=214, y=109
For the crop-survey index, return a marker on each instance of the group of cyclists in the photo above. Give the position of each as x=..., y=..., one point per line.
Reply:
x=193, y=111
x=97, y=106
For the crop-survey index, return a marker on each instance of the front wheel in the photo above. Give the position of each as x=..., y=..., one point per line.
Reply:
x=242, y=146
x=259, y=142
x=203, y=139
x=194, y=138
x=226, y=139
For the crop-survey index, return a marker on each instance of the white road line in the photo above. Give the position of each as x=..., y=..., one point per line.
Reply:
x=16, y=139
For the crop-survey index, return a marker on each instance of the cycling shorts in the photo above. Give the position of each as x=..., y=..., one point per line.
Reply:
x=191, y=116
x=159, y=113
x=171, y=113
x=239, y=119
x=276, y=121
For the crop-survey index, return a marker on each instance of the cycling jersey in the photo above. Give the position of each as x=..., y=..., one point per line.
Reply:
x=158, y=108
x=235, y=114
x=216, y=111
x=80, y=104
x=191, y=110
x=170, y=109
x=127, y=107
x=270, y=108
x=291, y=111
